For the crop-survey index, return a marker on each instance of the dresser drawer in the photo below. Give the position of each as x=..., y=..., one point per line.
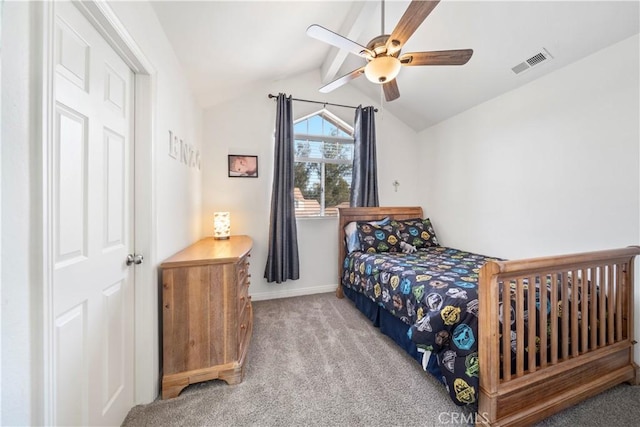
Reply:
x=244, y=320
x=242, y=285
x=243, y=300
x=243, y=271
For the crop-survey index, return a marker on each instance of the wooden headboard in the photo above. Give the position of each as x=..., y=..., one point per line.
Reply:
x=346, y=215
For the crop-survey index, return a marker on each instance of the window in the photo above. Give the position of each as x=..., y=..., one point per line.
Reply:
x=323, y=162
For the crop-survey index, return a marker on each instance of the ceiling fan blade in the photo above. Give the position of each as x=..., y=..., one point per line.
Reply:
x=335, y=39
x=391, y=91
x=342, y=80
x=415, y=14
x=442, y=57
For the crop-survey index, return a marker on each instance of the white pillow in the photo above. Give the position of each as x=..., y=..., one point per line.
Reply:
x=351, y=234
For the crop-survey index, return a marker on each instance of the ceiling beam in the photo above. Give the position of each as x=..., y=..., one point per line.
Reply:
x=358, y=18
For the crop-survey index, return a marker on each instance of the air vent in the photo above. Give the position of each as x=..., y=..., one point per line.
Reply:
x=536, y=59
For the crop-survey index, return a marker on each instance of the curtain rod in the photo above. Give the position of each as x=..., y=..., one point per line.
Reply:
x=319, y=102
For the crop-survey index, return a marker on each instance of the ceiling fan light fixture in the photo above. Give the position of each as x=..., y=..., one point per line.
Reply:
x=382, y=69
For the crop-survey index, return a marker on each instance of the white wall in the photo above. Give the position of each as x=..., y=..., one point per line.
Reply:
x=550, y=168
x=1, y=9
x=246, y=126
x=178, y=195
x=19, y=177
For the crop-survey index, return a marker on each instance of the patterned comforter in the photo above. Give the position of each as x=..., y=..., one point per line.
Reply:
x=434, y=290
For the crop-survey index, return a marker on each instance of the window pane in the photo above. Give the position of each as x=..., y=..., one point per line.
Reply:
x=314, y=149
x=337, y=187
x=336, y=150
x=344, y=134
x=301, y=148
x=307, y=193
x=330, y=129
x=300, y=127
x=315, y=125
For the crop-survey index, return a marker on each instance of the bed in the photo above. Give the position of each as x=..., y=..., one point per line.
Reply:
x=438, y=303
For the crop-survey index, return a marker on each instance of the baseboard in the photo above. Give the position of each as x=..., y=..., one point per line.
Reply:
x=293, y=292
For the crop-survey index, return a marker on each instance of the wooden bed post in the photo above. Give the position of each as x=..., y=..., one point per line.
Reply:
x=629, y=278
x=488, y=343
x=341, y=252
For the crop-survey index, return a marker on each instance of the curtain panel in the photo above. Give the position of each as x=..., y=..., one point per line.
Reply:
x=282, y=260
x=364, y=186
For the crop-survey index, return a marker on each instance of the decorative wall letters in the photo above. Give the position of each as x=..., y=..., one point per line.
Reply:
x=183, y=152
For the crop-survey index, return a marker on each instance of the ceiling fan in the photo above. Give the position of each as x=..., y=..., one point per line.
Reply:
x=383, y=52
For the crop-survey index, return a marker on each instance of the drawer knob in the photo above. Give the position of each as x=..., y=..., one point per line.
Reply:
x=243, y=326
x=242, y=298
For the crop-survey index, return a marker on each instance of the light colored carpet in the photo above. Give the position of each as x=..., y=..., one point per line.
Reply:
x=317, y=361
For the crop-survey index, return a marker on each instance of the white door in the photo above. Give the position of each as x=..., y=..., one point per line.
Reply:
x=92, y=292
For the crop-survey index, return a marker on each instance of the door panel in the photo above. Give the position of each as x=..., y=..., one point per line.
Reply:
x=92, y=288
x=115, y=170
x=114, y=344
x=70, y=199
x=70, y=342
x=72, y=55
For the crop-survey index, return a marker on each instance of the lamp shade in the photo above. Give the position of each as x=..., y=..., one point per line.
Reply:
x=221, y=225
x=382, y=69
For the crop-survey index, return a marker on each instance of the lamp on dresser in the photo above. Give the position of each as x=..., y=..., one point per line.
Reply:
x=221, y=225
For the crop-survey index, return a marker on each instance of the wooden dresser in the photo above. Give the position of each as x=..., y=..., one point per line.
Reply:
x=207, y=316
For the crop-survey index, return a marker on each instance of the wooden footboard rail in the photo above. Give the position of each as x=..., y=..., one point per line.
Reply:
x=585, y=301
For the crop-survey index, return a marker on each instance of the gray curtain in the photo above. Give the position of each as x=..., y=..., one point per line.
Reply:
x=364, y=185
x=282, y=261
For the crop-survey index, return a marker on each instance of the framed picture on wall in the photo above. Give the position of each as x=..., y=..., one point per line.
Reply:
x=243, y=166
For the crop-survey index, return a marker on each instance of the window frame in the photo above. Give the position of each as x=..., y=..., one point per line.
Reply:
x=349, y=140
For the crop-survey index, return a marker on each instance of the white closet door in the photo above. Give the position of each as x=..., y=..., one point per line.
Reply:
x=93, y=226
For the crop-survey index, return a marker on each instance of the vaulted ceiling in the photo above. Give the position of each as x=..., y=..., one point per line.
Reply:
x=229, y=47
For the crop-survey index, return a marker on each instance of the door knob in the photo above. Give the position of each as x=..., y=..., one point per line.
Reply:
x=134, y=259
